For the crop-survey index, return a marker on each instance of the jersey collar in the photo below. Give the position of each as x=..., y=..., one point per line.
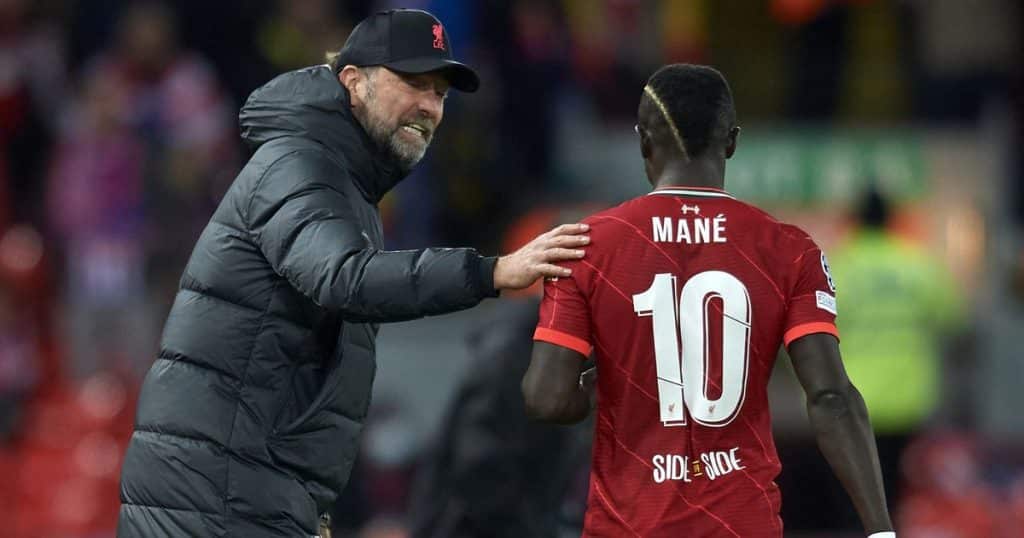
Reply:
x=705, y=192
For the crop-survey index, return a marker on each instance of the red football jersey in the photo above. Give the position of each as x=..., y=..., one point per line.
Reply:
x=685, y=296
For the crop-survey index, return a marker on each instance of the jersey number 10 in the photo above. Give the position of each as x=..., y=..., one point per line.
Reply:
x=683, y=380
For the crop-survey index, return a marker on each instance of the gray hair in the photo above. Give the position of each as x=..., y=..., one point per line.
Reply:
x=333, y=60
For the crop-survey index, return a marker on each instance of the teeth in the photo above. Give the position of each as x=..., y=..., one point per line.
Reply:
x=416, y=129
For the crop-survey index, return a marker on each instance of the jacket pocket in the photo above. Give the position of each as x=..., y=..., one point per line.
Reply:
x=346, y=390
x=305, y=385
x=320, y=444
x=321, y=457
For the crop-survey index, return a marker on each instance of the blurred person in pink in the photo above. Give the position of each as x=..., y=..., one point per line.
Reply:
x=171, y=95
x=95, y=202
x=174, y=102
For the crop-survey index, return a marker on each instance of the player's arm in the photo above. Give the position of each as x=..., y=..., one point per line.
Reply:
x=552, y=386
x=840, y=421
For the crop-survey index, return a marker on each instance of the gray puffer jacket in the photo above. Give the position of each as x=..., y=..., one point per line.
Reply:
x=249, y=420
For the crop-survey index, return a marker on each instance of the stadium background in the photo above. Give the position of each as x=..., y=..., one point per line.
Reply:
x=119, y=134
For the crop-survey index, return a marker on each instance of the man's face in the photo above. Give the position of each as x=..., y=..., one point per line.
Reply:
x=401, y=111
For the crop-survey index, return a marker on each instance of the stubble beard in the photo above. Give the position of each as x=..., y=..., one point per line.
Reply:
x=402, y=153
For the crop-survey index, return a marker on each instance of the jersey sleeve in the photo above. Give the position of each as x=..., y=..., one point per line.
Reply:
x=811, y=305
x=564, y=316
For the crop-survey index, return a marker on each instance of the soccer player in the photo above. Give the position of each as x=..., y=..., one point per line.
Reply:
x=684, y=298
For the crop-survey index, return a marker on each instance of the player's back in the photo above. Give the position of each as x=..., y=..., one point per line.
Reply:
x=685, y=296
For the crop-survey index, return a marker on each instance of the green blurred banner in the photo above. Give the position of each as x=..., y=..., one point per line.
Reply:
x=814, y=165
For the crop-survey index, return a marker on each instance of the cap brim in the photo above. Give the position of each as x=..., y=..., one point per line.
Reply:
x=459, y=75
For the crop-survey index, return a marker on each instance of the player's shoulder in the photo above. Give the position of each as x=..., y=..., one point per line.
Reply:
x=796, y=235
x=784, y=232
x=758, y=216
x=625, y=213
x=617, y=225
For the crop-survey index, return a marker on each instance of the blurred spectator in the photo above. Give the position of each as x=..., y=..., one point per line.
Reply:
x=494, y=473
x=684, y=31
x=530, y=52
x=997, y=379
x=32, y=85
x=19, y=362
x=95, y=194
x=819, y=49
x=964, y=54
x=845, y=58
x=300, y=32
x=67, y=479
x=25, y=269
x=175, y=104
x=28, y=369
x=387, y=459
x=615, y=44
x=946, y=495
x=614, y=48
x=897, y=304
x=1013, y=517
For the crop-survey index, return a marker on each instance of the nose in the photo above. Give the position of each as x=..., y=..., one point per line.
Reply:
x=432, y=107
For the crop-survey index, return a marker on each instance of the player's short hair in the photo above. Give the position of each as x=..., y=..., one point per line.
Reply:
x=697, y=103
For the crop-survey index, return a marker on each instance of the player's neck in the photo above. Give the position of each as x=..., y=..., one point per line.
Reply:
x=697, y=173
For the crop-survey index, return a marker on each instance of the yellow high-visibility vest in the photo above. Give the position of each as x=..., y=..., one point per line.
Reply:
x=895, y=305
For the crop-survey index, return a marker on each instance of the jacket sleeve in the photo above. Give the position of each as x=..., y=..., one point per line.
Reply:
x=309, y=231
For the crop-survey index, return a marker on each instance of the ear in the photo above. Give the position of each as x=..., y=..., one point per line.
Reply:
x=646, y=149
x=730, y=146
x=352, y=79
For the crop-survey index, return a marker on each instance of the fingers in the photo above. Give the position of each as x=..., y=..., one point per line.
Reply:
x=556, y=245
x=551, y=270
x=568, y=229
x=569, y=240
x=562, y=254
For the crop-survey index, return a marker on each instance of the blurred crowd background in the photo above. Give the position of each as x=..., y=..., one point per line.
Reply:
x=889, y=129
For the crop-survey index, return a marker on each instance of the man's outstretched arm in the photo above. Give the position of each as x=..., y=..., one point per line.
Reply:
x=840, y=421
x=310, y=233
